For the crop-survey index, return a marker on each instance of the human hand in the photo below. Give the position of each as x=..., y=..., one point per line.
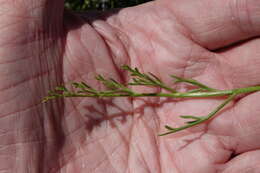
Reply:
x=41, y=49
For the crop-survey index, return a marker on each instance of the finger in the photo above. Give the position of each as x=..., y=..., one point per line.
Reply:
x=238, y=127
x=247, y=162
x=215, y=24
x=239, y=66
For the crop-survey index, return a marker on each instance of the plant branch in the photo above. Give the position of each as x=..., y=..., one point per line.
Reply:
x=117, y=89
x=198, y=120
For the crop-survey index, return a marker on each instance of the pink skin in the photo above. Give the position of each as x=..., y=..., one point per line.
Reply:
x=41, y=49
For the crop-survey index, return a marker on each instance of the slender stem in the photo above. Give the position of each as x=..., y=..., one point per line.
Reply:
x=173, y=95
x=200, y=119
x=230, y=98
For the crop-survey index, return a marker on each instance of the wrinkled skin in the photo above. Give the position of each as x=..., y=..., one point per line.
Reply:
x=42, y=47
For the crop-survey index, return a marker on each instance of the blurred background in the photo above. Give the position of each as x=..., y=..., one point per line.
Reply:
x=80, y=5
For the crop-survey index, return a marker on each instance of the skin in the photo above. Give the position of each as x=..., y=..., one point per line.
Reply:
x=214, y=42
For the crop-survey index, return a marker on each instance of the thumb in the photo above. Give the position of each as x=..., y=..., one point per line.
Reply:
x=216, y=24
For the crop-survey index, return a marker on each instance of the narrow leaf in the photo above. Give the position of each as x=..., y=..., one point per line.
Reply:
x=169, y=128
x=61, y=88
x=191, y=122
x=190, y=117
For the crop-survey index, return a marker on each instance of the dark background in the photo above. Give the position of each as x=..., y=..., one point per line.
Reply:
x=81, y=5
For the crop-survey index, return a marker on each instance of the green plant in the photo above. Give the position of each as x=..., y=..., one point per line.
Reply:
x=116, y=89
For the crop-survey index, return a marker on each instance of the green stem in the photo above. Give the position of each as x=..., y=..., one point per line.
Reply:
x=117, y=89
x=173, y=95
x=230, y=98
x=200, y=119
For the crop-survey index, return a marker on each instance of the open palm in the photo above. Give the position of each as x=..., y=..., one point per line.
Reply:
x=42, y=47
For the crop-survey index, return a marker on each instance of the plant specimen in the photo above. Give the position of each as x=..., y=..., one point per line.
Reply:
x=116, y=89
